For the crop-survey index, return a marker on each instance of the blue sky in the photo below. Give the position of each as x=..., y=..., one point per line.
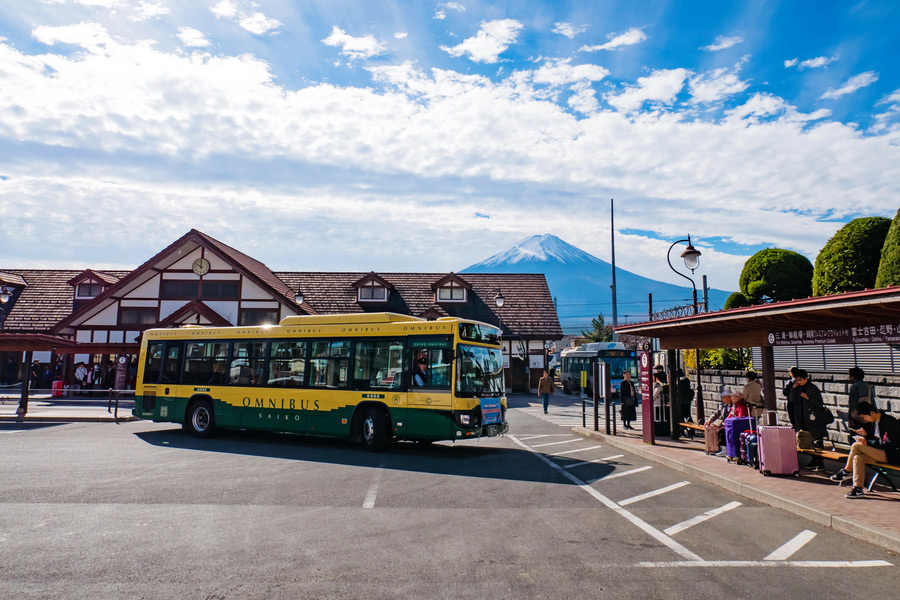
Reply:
x=363, y=135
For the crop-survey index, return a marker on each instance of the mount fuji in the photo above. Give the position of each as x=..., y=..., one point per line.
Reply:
x=580, y=283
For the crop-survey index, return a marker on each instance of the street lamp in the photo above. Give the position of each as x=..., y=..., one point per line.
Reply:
x=298, y=297
x=691, y=257
x=5, y=295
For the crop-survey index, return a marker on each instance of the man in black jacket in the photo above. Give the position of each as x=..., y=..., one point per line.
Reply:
x=884, y=449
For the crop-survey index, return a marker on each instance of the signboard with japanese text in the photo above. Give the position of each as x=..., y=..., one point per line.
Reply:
x=868, y=334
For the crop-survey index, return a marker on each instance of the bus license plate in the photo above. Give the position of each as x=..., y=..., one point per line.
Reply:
x=492, y=430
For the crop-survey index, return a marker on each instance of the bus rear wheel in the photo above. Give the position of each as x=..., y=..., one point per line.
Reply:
x=374, y=429
x=200, y=421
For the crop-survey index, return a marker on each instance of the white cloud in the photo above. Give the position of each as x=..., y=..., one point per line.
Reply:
x=630, y=37
x=716, y=85
x=492, y=39
x=661, y=86
x=851, y=85
x=356, y=48
x=108, y=131
x=149, y=10
x=722, y=42
x=810, y=63
x=568, y=29
x=441, y=9
x=193, y=38
x=90, y=36
x=560, y=72
x=253, y=21
x=224, y=9
x=400, y=35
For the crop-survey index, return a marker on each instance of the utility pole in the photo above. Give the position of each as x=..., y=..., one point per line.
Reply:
x=612, y=238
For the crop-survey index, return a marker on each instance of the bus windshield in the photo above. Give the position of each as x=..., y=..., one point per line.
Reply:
x=618, y=366
x=479, y=371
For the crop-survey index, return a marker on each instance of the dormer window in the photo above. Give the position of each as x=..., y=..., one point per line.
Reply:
x=372, y=288
x=372, y=292
x=451, y=292
x=88, y=290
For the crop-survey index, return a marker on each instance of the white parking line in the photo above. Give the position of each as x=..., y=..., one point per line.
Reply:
x=658, y=492
x=622, y=474
x=578, y=450
x=591, y=462
x=701, y=518
x=788, y=550
x=634, y=519
x=534, y=437
x=557, y=443
x=369, y=502
x=819, y=564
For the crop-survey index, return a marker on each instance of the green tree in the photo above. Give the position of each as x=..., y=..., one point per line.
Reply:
x=776, y=274
x=601, y=332
x=849, y=261
x=737, y=300
x=889, y=268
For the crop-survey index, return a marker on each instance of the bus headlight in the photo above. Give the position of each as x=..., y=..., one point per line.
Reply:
x=465, y=419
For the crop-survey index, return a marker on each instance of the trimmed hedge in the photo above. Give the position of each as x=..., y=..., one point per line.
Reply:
x=889, y=268
x=850, y=259
x=737, y=300
x=776, y=274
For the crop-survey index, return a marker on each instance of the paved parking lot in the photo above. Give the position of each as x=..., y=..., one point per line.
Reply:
x=98, y=510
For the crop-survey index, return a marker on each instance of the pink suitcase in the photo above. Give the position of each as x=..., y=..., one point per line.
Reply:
x=778, y=450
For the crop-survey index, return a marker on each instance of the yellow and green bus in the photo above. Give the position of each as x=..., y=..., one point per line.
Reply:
x=370, y=378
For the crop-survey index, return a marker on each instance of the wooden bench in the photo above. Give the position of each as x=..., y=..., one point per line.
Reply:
x=881, y=469
x=692, y=427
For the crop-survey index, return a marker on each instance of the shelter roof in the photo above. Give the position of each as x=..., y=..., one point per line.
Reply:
x=750, y=326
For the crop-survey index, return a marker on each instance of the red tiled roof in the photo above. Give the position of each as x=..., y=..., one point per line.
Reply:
x=528, y=310
x=45, y=301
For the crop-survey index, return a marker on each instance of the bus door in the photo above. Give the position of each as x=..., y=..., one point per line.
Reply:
x=378, y=376
x=429, y=401
x=162, y=373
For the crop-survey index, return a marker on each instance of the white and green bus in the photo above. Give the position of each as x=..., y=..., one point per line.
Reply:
x=370, y=378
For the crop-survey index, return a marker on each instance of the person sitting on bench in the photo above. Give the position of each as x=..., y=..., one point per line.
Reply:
x=884, y=449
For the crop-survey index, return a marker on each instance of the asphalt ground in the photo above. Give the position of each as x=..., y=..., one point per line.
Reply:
x=141, y=510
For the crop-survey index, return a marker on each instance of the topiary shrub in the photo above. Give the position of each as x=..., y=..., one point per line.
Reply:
x=889, y=268
x=776, y=274
x=849, y=261
x=737, y=300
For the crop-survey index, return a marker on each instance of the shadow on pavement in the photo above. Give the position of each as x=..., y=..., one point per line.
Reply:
x=465, y=460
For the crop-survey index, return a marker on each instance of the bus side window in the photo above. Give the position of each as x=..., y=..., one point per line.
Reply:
x=154, y=362
x=172, y=368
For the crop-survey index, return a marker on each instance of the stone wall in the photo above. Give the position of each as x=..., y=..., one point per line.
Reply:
x=834, y=386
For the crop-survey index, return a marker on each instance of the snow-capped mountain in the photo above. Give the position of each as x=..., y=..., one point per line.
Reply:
x=580, y=282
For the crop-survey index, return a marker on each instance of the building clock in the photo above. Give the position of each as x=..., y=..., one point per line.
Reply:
x=201, y=266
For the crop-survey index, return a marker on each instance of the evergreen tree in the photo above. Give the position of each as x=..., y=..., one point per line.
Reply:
x=601, y=332
x=776, y=274
x=850, y=259
x=889, y=268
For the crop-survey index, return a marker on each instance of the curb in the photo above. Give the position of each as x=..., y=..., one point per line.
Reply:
x=38, y=419
x=859, y=531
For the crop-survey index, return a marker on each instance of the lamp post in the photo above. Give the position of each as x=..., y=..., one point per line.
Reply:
x=691, y=258
x=5, y=295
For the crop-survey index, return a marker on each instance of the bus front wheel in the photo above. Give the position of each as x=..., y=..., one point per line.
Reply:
x=374, y=429
x=201, y=420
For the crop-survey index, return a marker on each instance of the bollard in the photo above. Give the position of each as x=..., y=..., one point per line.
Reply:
x=614, y=418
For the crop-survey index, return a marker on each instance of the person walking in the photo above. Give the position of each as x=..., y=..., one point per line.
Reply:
x=545, y=388
x=628, y=396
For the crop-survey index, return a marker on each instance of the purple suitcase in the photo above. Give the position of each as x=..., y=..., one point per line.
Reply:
x=778, y=450
x=733, y=429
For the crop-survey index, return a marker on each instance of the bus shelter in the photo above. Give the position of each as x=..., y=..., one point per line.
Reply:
x=862, y=317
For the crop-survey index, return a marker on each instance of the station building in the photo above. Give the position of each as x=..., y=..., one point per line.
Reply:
x=61, y=317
